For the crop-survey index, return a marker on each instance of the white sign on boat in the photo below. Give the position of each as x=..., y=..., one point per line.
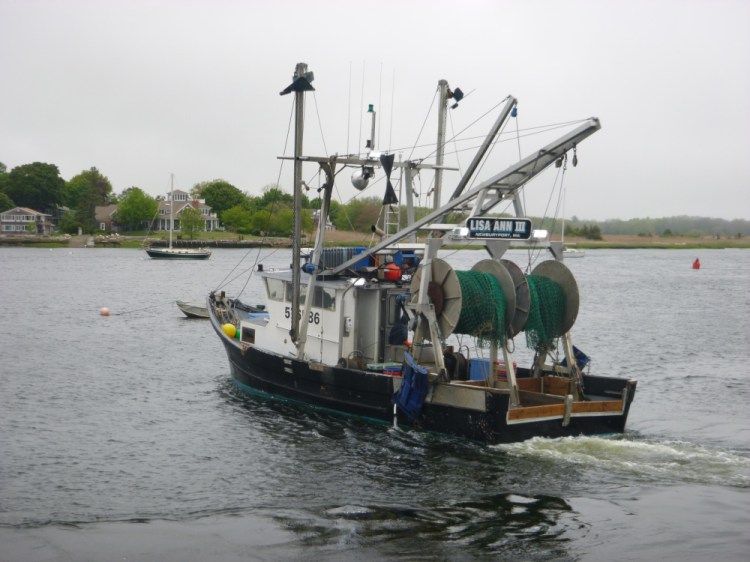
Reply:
x=501, y=228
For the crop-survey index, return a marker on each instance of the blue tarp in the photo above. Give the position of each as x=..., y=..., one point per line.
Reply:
x=410, y=397
x=581, y=359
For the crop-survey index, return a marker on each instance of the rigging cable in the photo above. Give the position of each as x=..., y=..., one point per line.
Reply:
x=434, y=97
x=561, y=177
x=453, y=139
x=349, y=109
x=380, y=102
x=393, y=91
x=514, y=114
x=361, y=104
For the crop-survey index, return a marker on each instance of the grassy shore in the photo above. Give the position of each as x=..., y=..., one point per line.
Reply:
x=344, y=238
x=347, y=238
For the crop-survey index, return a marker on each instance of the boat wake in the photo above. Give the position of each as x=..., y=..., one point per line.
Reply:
x=674, y=462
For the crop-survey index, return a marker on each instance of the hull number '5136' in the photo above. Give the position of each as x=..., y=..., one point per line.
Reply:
x=313, y=319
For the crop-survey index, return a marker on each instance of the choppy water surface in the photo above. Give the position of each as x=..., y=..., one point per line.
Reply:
x=122, y=437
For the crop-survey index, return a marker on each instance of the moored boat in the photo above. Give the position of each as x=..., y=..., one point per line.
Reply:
x=178, y=253
x=383, y=332
x=570, y=252
x=171, y=252
x=192, y=309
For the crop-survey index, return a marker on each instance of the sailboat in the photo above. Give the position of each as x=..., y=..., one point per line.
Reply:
x=372, y=331
x=171, y=253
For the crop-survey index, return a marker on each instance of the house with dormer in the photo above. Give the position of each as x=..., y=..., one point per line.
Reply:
x=176, y=202
x=181, y=199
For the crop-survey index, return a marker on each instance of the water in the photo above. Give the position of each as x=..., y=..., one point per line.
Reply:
x=122, y=437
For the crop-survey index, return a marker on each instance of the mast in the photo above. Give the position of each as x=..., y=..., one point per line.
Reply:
x=328, y=169
x=171, y=209
x=301, y=83
x=442, y=111
x=562, y=231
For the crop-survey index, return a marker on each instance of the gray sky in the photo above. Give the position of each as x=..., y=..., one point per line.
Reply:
x=141, y=89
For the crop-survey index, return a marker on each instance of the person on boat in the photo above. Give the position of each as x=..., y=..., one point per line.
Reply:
x=697, y=264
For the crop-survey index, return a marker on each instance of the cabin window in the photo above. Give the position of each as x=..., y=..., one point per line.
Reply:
x=289, y=292
x=322, y=298
x=275, y=289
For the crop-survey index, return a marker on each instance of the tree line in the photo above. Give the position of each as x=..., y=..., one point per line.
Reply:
x=39, y=186
x=72, y=203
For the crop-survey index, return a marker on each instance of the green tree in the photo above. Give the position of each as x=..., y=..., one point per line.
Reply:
x=334, y=211
x=219, y=195
x=274, y=195
x=358, y=214
x=278, y=222
x=3, y=180
x=191, y=221
x=283, y=223
x=83, y=193
x=5, y=202
x=68, y=223
x=89, y=184
x=237, y=219
x=260, y=222
x=592, y=232
x=37, y=186
x=135, y=208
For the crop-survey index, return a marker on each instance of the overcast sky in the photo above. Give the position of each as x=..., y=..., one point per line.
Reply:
x=141, y=89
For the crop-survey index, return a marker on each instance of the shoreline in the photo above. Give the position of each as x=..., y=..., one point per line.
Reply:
x=346, y=238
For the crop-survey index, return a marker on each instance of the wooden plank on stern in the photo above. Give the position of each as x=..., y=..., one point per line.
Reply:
x=598, y=407
x=531, y=412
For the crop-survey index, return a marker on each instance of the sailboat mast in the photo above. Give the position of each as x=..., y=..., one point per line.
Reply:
x=171, y=209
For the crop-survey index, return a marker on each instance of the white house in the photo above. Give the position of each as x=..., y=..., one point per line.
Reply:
x=21, y=220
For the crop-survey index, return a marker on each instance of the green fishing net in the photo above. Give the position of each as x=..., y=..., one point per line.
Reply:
x=482, y=309
x=545, y=322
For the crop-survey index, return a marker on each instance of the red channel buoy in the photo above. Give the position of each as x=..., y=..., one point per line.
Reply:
x=697, y=264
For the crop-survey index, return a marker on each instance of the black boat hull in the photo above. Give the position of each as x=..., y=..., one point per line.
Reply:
x=370, y=395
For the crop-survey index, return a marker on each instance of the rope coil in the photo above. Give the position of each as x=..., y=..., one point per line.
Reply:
x=482, y=308
x=546, y=315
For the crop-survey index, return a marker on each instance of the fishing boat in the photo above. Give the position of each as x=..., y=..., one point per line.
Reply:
x=192, y=309
x=170, y=252
x=394, y=333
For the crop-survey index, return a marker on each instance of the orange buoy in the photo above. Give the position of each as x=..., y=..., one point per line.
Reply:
x=104, y=311
x=697, y=264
